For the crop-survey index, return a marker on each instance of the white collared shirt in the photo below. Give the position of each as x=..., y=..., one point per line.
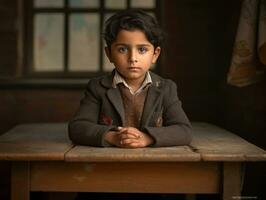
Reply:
x=119, y=79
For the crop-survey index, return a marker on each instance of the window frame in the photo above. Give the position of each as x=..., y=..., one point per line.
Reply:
x=28, y=70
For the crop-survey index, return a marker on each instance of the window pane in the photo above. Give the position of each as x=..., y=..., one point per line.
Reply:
x=84, y=42
x=107, y=66
x=84, y=3
x=48, y=42
x=121, y=4
x=142, y=3
x=48, y=3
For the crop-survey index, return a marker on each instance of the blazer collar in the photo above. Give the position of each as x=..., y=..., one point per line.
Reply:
x=107, y=81
x=151, y=101
x=115, y=98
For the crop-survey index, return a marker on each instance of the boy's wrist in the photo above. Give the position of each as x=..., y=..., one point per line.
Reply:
x=149, y=140
x=108, y=137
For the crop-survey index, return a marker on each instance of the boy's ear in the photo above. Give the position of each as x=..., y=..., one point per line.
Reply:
x=156, y=54
x=108, y=54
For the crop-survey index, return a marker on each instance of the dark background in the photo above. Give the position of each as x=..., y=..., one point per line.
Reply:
x=196, y=55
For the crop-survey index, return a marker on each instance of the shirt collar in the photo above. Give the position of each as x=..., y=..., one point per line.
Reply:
x=119, y=79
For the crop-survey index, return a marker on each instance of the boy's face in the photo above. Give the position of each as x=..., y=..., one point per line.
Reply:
x=132, y=55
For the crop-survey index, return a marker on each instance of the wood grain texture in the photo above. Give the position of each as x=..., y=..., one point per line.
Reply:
x=232, y=180
x=149, y=154
x=156, y=177
x=50, y=142
x=37, y=132
x=217, y=144
x=35, y=142
x=56, y=165
x=35, y=151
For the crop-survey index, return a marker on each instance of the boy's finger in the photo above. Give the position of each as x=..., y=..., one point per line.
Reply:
x=121, y=129
x=134, y=145
x=136, y=134
x=127, y=136
x=128, y=141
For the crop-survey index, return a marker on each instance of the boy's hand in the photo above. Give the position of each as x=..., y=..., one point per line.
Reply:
x=128, y=137
x=131, y=137
x=113, y=138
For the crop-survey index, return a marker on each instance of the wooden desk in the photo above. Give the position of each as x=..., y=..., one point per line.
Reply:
x=43, y=159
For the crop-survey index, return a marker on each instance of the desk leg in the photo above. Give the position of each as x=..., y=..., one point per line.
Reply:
x=20, y=181
x=232, y=180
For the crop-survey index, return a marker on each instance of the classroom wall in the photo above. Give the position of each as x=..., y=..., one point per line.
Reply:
x=198, y=52
x=196, y=55
x=199, y=46
x=200, y=42
x=37, y=105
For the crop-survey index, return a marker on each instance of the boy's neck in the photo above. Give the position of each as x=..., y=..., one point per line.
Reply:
x=135, y=84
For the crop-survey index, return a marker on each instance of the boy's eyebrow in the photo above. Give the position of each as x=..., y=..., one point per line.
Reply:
x=124, y=44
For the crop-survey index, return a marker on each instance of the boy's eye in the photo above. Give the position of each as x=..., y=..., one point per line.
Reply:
x=143, y=50
x=122, y=49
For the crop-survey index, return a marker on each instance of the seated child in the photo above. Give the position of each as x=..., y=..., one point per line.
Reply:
x=131, y=107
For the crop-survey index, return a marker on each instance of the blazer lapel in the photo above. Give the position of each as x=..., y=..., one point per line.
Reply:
x=150, y=103
x=115, y=97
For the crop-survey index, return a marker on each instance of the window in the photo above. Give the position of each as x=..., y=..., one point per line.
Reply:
x=63, y=37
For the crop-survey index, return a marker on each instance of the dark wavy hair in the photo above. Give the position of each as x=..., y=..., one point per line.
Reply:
x=132, y=20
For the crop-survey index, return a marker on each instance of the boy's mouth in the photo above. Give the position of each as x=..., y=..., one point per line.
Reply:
x=134, y=68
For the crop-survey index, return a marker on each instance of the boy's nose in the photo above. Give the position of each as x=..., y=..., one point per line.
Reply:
x=133, y=57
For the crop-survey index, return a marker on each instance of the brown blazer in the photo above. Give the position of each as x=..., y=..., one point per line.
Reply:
x=102, y=109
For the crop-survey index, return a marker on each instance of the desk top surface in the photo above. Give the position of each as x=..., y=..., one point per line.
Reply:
x=50, y=142
x=35, y=142
x=217, y=144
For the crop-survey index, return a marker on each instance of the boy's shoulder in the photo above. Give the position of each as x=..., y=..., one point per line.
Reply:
x=160, y=81
x=104, y=80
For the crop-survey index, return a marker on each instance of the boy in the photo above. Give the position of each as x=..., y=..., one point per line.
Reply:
x=132, y=107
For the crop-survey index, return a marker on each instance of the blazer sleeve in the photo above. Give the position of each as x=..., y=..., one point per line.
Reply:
x=84, y=129
x=176, y=128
